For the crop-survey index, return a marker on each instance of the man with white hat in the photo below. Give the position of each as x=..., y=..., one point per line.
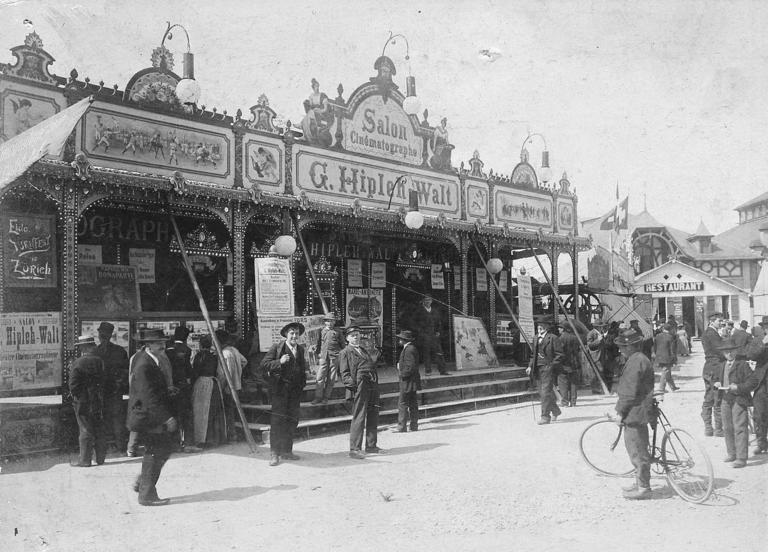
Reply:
x=87, y=383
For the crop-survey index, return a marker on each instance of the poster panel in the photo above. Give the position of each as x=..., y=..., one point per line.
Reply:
x=525, y=306
x=29, y=250
x=108, y=288
x=365, y=307
x=355, y=273
x=274, y=289
x=144, y=261
x=89, y=254
x=481, y=279
x=121, y=336
x=438, y=277
x=378, y=275
x=473, y=347
x=30, y=350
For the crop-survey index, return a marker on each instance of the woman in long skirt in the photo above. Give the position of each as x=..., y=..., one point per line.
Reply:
x=207, y=401
x=682, y=341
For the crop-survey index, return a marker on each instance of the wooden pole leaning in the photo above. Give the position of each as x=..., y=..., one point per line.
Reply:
x=209, y=324
x=309, y=265
x=570, y=322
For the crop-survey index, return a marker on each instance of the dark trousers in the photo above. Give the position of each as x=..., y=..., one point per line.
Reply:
x=736, y=429
x=711, y=405
x=283, y=422
x=407, y=408
x=636, y=442
x=91, y=436
x=327, y=374
x=547, y=393
x=157, y=449
x=365, y=415
x=568, y=384
x=183, y=405
x=431, y=349
x=760, y=418
x=666, y=377
x=114, y=419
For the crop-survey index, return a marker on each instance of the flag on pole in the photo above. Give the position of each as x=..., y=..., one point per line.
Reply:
x=45, y=138
x=617, y=218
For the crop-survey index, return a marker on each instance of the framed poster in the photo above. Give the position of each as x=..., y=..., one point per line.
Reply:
x=30, y=351
x=108, y=289
x=29, y=250
x=365, y=307
x=274, y=286
x=473, y=347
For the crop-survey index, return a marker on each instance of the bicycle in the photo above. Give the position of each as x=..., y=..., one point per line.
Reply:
x=680, y=458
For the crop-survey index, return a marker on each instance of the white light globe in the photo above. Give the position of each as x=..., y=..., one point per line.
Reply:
x=414, y=220
x=495, y=265
x=545, y=174
x=412, y=105
x=188, y=91
x=285, y=246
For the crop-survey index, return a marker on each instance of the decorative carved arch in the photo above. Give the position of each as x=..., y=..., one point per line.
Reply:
x=652, y=249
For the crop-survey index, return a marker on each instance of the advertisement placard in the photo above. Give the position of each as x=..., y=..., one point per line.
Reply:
x=274, y=288
x=109, y=288
x=355, y=273
x=378, y=275
x=29, y=250
x=525, y=306
x=144, y=261
x=30, y=350
x=473, y=347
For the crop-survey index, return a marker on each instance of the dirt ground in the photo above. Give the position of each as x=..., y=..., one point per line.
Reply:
x=491, y=480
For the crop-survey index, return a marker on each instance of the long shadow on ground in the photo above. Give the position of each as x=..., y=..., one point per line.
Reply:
x=229, y=494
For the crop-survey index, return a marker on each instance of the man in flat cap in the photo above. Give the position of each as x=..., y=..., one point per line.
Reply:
x=88, y=384
x=545, y=362
x=634, y=409
x=410, y=383
x=286, y=369
x=116, y=368
x=358, y=372
x=150, y=413
x=329, y=344
x=711, y=372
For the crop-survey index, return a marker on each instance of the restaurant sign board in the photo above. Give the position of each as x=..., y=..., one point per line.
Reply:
x=663, y=287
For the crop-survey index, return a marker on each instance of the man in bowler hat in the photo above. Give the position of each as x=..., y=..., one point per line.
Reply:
x=116, y=369
x=358, y=372
x=150, y=409
x=546, y=359
x=410, y=383
x=286, y=369
x=88, y=385
x=180, y=356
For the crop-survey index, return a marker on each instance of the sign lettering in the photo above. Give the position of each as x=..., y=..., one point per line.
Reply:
x=663, y=287
x=30, y=250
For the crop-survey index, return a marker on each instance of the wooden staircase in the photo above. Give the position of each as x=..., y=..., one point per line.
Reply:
x=460, y=391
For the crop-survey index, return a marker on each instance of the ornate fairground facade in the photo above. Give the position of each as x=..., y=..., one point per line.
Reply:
x=87, y=237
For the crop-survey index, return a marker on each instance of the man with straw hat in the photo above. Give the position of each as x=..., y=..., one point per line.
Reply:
x=150, y=413
x=286, y=369
x=88, y=385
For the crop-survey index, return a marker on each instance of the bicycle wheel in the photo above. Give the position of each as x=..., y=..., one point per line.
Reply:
x=600, y=447
x=687, y=466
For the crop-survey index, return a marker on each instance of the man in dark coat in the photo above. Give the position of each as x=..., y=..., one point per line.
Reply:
x=741, y=339
x=180, y=355
x=711, y=372
x=757, y=350
x=428, y=324
x=570, y=368
x=358, y=372
x=116, y=369
x=285, y=366
x=634, y=409
x=410, y=383
x=546, y=359
x=150, y=409
x=88, y=384
x=664, y=347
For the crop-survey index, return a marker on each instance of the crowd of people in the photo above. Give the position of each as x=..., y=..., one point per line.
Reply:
x=179, y=404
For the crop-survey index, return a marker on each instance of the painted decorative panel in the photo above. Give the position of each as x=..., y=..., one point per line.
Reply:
x=22, y=107
x=520, y=208
x=264, y=163
x=565, y=215
x=477, y=199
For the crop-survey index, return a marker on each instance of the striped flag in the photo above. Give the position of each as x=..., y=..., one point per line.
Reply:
x=45, y=138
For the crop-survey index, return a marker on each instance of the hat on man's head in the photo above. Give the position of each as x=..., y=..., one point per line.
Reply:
x=351, y=329
x=744, y=324
x=634, y=322
x=728, y=345
x=714, y=315
x=205, y=341
x=298, y=326
x=406, y=335
x=599, y=322
x=628, y=337
x=149, y=334
x=729, y=323
x=223, y=336
x=426, y=297
x=105, y=328
x=85, y=340
x=764, y=320
x=181, y=333
x=329, y=318
x=545, y=320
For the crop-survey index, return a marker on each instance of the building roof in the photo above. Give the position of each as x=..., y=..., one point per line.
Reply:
x=759, y=199
x=701, y=231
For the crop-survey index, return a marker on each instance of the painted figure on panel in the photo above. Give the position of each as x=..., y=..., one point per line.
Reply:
x=264, y=164
x=319, y=117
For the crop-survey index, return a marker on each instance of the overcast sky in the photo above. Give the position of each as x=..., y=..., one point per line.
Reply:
x=664, y=98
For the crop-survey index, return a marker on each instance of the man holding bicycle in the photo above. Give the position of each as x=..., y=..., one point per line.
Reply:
x=634, y=410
